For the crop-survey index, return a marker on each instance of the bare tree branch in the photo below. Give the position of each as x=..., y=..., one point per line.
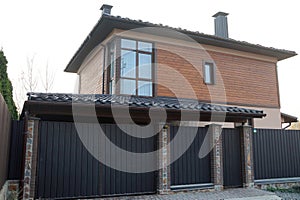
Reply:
x=48, y=79
x=28, y=78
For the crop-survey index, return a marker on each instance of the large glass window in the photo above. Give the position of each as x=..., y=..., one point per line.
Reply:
x=136, y=68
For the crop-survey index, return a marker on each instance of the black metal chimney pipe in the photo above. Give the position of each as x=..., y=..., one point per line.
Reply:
x=106, y=9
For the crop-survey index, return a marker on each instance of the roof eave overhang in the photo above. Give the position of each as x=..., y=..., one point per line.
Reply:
x=141, y=114
x=107, y=23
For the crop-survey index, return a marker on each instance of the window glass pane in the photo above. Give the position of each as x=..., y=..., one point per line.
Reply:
x=128, y=44
x=128, y=64
x=127, y=86
x=145, y=46
x=145, y=88
x=112, y=87
x=145, y=64
x=112, y=60
x=207, y=73
x=112, y=65
x=112, y=46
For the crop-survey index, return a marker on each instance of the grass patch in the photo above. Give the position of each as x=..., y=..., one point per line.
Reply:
x=294, y=189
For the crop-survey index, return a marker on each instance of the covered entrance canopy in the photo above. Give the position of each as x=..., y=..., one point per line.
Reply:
x=59, y=106
x=58, y=154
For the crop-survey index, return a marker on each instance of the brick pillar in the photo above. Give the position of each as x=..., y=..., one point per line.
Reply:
x=164, y=180
x=247, y=155
x=30, y=159
x=216, y=155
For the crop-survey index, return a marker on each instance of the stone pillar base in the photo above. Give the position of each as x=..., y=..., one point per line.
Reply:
x=248, y=185
x=10, y=190
x=164, y=192
x=218, y=187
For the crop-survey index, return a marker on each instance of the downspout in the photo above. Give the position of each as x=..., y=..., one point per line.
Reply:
x=103, y=65
x=24, y=134
x=290, y=123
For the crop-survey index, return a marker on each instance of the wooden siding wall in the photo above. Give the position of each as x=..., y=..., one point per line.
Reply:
x=276, y=153
x=247, y=81
x=91, y=73
x=5, y=125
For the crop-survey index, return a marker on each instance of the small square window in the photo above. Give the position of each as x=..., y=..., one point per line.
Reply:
x=209, y=73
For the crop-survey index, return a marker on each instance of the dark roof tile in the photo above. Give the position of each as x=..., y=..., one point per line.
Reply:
x=162, y=102
x=109, y=22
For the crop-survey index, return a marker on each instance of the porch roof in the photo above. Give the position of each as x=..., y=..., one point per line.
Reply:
x=55, y=104
x=285, y=118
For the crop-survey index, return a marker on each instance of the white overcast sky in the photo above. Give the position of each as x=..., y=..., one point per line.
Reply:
x=52, y=30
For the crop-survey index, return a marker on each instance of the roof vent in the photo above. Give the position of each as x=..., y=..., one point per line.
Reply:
x=221, y=25
x=106, y=9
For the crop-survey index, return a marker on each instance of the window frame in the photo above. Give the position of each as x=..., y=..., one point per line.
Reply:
x=137, y=53
x=212, y=72
x=111, y=80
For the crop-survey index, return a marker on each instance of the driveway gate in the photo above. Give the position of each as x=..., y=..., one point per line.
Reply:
x=67, y=170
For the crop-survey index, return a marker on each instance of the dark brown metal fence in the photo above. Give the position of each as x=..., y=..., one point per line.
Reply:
x=67, y=169
x=189, y=169
x=276, y=153
x=232, y=163
x=5, y=124
x=16, y=150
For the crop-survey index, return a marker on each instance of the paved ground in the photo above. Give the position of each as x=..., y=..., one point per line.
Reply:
x=288, y=196
x=232, y=194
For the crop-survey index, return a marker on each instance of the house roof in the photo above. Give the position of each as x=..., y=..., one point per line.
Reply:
x=108, y=22
x=285, y=118
x=36, y=101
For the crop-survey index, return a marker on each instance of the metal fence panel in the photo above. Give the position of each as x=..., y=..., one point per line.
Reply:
x=67, y=169
x=189, y=169
x=232, y=163
x=16, y=150
x=276, y=153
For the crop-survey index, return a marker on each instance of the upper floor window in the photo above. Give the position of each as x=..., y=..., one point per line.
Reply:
x=209, y=73
x=136, y=68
